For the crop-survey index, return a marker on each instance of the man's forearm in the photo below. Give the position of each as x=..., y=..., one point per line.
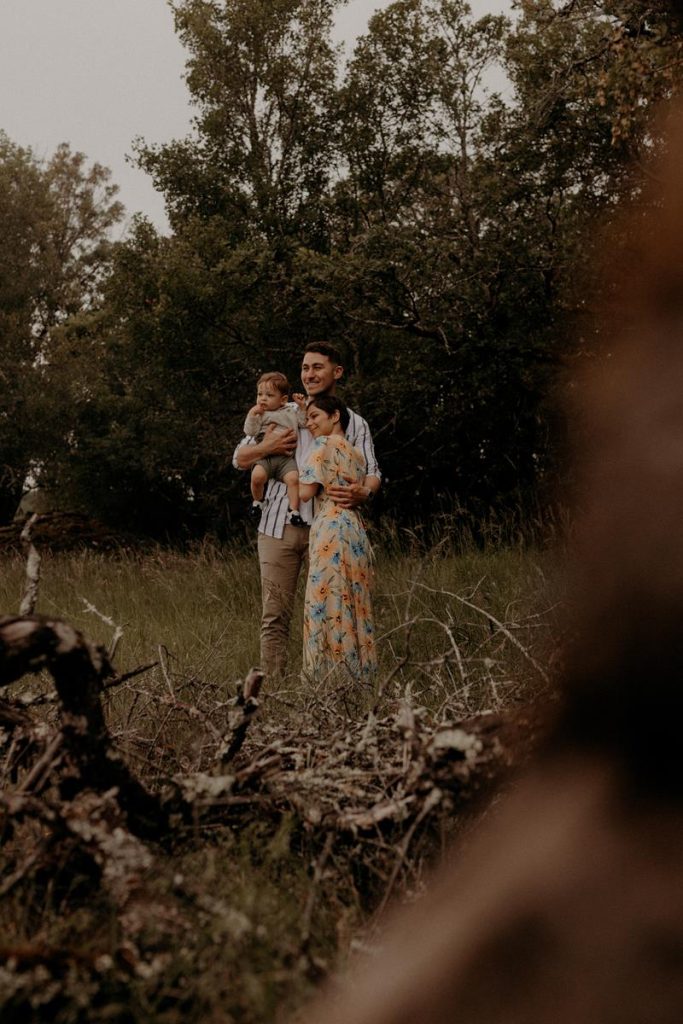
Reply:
x=274, y=442
x=248, y=454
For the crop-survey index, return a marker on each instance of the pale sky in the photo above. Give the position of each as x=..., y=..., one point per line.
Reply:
x=98, y=73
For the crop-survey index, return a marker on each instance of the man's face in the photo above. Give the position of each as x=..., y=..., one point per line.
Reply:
x=319, y=374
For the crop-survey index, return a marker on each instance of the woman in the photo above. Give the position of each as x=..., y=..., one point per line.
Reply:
x=338, y=625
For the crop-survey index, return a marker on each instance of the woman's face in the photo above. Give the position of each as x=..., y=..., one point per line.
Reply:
x=320, y=423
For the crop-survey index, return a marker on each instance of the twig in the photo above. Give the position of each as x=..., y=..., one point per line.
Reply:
x=163, y=651
x=498, y=624
x=42, y=765
x=432, y=800
x=125, y=676
x=248, y=705
x=32, y=643
x=118, y=631
x=109, y=683
x=20, y=873
x=318, y=870
x=193, y=712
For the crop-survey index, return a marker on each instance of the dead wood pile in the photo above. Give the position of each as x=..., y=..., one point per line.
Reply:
x=367, y=799
x=382, y=776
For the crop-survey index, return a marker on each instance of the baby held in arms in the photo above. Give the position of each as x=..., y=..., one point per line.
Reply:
x=274, y=409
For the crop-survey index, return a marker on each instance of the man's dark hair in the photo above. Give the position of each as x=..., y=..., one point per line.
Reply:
x=331, y=404
x=325, y=349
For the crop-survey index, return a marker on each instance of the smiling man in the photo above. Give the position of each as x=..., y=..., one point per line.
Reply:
x=283, y=548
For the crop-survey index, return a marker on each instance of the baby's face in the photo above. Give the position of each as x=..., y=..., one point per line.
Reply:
x=268, y=398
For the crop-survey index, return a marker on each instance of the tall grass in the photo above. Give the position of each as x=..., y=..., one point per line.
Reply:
x=439, y=615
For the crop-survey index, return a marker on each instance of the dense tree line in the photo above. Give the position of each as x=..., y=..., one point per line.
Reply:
x=393, y=203
x=55, y=218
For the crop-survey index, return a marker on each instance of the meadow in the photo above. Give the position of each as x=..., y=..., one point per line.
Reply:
x=202, y=609
x=461, y=632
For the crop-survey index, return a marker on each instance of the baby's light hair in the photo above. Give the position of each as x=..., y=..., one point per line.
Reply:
x=277, y=379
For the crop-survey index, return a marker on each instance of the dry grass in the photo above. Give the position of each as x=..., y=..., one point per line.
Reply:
x=202, y=610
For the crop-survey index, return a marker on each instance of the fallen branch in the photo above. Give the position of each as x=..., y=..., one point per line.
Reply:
x=33, y=643
x=247, y=706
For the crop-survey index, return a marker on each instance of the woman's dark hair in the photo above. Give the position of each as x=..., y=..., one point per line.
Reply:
x=331, y=404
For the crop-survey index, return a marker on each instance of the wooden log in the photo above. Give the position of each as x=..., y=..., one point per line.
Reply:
x=29, y=644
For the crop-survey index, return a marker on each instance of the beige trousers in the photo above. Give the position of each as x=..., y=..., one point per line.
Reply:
x=280, y=561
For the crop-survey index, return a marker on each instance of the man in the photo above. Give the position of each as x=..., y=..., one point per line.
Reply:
x=283, y=548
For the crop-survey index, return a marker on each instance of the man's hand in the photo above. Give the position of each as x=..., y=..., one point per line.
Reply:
x=277, y=441
x=349, y=495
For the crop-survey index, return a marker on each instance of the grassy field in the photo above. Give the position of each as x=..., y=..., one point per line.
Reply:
x=203, y=611
x=460, y=632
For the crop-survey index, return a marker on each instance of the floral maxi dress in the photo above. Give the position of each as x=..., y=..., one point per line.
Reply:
x=338, y=624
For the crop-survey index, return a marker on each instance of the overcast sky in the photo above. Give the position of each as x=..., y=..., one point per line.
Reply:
x=98, y=73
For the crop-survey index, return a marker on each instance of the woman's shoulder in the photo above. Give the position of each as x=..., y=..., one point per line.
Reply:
x=331, y=441
x=317, y=450
x=349, y=447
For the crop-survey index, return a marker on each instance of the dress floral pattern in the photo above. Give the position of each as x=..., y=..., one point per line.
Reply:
x=338, y=623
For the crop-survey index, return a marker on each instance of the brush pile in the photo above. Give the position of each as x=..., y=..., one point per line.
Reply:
x=367, y=798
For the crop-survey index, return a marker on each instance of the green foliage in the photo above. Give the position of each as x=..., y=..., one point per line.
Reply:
x=262, y=73
x=54, y=220
x=436, y=231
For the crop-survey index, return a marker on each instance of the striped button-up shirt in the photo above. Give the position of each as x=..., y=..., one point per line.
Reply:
x=275, y=505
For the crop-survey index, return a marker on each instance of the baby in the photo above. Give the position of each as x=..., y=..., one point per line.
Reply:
x=272, y=407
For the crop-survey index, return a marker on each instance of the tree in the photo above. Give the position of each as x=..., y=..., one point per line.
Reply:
x=190, y=321
x=261, y=73
x=54, y=220
x=468, y=280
